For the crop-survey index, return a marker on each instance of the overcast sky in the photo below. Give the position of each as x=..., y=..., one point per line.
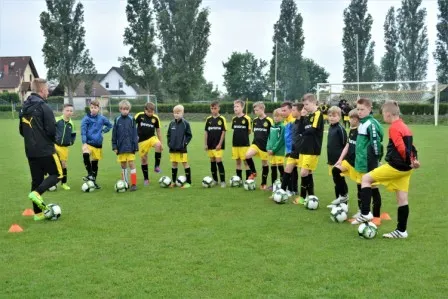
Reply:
x=236, y=25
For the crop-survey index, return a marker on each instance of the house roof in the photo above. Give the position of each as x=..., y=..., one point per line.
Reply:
x=16, y=69
x=117, y=92
x=97, y=90
x=120, y=71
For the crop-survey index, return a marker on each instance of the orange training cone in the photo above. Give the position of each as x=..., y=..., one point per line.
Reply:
x=15, y=228
x=28, y=212
x=385, y=216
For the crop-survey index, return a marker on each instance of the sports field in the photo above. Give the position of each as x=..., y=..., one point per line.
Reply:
x=216, y=242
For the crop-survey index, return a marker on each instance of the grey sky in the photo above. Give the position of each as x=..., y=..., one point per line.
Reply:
x=236, y=26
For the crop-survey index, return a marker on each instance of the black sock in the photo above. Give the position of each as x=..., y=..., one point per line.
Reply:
x=339, y=181
x=145, y=172
x=273, y=174
x=239, y=173
x=286, y=181
x=310, y=187
x=281, y=169
x=336, y=192
x=264, y=176
x=403, y=213
x=248, y=173
x=358, y=186
x=222, y=172
x=366, y=195
x=173, y=174
x=157, y=157
x=95, y=169
x=188, y=174
x=87, y=163
x=303, y=185
x=214, y=170
x=251, y=164
x=64, y=177
x=376, y=202
x=295, y=180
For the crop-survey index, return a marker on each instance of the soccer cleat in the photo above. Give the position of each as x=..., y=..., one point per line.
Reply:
x=65, y=187
x=357, y=214
x=39, y=216
x=396, y=234
x=299, y=201
x=146, y=182
x=133, y=188
x=263, y=187
x=362, y=218
x=96, y=185
x=339, y=200
x=37, y=199
x=186, y=185
x=157, y=169
x=376, y=221
x=223, y=184
x=252, y=176
x=88, y=178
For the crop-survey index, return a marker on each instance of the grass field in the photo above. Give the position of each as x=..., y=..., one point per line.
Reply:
x=217, y=242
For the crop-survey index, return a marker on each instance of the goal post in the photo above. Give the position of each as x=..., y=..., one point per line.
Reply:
x=109, y=103
x=415, y=92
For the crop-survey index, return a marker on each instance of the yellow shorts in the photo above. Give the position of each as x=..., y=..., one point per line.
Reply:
x=95, y=152
x=346, y=118
x=293, y=161
x=239, y=152
x=309, y=162
x=127, y=157
x=259, y=153
x=350, y=172
x=325, y=116
x=146, y=145
x=275, y=160
x=62, y=152
x=391, y=178
x=179, y=157
x=215, y=153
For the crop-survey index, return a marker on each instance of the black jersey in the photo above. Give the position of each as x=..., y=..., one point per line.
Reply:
x=146, y=125
x=241, y=126
x=313, y=134
x=214, y=126
x=337, y=139
x=351, y=154
x=262, y=127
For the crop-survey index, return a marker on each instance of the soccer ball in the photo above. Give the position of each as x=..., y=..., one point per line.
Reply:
x=207, y=182
x=277, y=185
x=235, y=181
x=121, y=186
x=53, y=212
x=88, y=186
x=343, y=206
x=338, y=214
x=164, y=182
x=280, y=196
x=53, y=188
x=181, y=181
x=249, y=185
x=367, y=230
x=312, y=202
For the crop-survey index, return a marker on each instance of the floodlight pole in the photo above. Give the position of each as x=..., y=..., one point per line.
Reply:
x=275, y=76
x=357, y=62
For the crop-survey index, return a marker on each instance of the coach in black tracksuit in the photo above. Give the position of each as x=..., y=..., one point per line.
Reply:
x=38, y=128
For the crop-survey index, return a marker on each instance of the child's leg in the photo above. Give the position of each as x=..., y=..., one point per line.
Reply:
x=265, y=173
x=94, y=169
x=366, y=195
x=281, y=170
x=174, y=172
x=339, y=181
x=157, y=156
x=239, y=171
x=187, y=171
x=86, y=158
x=249, y=161
x=274, y=176
x=222, y=171
x=64, y=172
x=376, y=200
x=133, y=173
x=124, y=172
x=214, y=169
x=144, y=160
x=304, y=173
x=294, y=180
x=287, y=176
x=403, y=210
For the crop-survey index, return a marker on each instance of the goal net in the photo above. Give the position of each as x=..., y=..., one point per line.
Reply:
x=420, y=96
x=109, y=103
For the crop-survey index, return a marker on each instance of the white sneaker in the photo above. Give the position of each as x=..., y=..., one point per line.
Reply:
x=357, y=214
x=339, y=200
x=363, y=218
x=223, y=184
x=396, y=234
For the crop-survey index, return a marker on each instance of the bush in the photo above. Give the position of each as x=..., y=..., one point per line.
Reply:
x=10, y=97
x=55, y=100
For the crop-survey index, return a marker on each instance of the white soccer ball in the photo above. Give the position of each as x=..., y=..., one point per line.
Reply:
x=277, y=185
x=53, y=188
x=311, y=202
x=249, y=185
x=235, y=181
x=280, y=196
x=181, y=180
x=121, y=186
x=53, y=212
x=367, y=230
x=165, y=182
x=338, y=214
x=88, y=186
x=343, y=206
x=207, y=182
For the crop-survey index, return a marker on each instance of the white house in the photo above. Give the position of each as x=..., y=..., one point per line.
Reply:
x=113, y=81
x=81, y=99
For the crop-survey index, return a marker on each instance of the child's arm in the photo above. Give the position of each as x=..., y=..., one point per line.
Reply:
x=205, y=140
x=114, y=136
x=168, y=135
x=280, y=141
x=343, y=154
x=375, y=141
x=135, y=136
x=188, y=134
x=107, y=125
x=223, y=134
x=342, y=135
x=84, y=126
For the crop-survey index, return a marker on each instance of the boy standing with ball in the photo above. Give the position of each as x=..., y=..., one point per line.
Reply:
x=65, y=137
x=276, y=146
x=242, y=127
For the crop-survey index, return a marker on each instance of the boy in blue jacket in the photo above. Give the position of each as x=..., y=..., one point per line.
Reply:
x=93, y=126
x=125, y=143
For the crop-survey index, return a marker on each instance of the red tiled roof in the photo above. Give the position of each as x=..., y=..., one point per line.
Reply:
x=16, y=67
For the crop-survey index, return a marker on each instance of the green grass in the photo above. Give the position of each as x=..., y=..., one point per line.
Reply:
x=215, y=243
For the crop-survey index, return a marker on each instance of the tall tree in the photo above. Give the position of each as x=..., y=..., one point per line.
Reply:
x=245, y=76
x=413, y=41
x=289, y=41
x=65, y=54
x=184, y=30
x=316, y=74
x=389, y=62
x=441, y=53
x=139, y=67
x=357, y=26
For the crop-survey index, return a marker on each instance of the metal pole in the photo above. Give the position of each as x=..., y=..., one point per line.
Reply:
x=436, y=104
x=275, y=80
x=357, y=62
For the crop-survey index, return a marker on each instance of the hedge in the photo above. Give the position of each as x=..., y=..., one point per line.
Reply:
x=10, y=97
x=55, y=100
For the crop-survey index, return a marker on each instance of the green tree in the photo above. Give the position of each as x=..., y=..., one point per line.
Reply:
x=316, y=74
x=206, y=91
x=65, y=54
x=139, y=67
x=441, y=53
x=184, y=30
x=357, y=26
x=389, y=62
x=245, y=76
x=292, y=76
x=413, y=41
